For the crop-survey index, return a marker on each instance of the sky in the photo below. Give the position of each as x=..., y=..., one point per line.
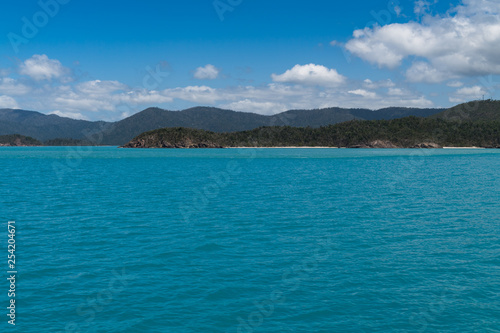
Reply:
x=106, y=60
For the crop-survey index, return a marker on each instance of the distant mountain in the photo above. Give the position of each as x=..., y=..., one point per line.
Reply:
x=219, y=120
x=207, y=118
x=45, y=127
x=50, y=127
x=488, y=110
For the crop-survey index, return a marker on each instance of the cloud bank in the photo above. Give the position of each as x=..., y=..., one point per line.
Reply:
x=462, y=43
x=45, y=84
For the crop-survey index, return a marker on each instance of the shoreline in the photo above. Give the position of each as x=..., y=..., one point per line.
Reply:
x=466, y=148
x=295, y=147
x=288, y=147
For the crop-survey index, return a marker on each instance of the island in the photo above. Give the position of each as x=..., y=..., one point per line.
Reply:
x=409, y=132
x=17, y=140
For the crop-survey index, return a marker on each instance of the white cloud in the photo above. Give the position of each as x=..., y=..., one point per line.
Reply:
x=395, y=92
x=10, y=86
x=423, y=72
x=72, y=115
x=302, y=87
x=422, y=7
x=144, y=97
x=369, y=84
x=463, y=44
x=7, y=102
x=73, y=102
x=420, y=102
x=472, y=7
x=98, y=87
x=196, y=94
x=109, y=102
x=209, y=72
x=363, y=93
x=265, y=108
x=455, y=84
x=468, y=93
x=311, y=74
x=456, y=100
x=40, y=67
x=475, y=91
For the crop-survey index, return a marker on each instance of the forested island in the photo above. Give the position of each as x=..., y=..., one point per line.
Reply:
x=409, y=132
x=16, y=140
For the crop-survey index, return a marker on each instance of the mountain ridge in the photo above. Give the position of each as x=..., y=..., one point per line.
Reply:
x=49, y=127
x=54, y=128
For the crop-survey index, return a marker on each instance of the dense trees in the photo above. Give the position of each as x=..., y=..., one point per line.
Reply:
x=405, y=132
x=18, y=140
x=68, y=142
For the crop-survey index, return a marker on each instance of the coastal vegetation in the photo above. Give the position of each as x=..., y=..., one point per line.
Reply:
x=17, y=140
x=21, y=140
x=68, y=142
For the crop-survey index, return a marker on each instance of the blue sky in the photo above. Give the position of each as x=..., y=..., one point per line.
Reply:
x=95, y=60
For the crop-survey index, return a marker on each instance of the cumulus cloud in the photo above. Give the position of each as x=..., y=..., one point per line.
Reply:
x=196, y=94
x=7, y=102
x=449, y=46
x=422, y=7
x=369, y=84
x=475, y=91
x=10, y=86
x=302, y=87
x=363, y=93
x=395, y=92
x=72, y=115
x=311, y=74
x=75, y=102
x=455, y=84
x=40, y=67
x=209, y=72
x=144, y=97
x=424, y=72
x=107, y=101
x=468, y=93
x=108, y=97
x=98, y=87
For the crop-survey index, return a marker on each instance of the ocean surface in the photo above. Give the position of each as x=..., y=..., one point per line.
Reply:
x=252, y=240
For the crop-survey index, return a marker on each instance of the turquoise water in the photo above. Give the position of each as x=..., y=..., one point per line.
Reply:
x=252, y=240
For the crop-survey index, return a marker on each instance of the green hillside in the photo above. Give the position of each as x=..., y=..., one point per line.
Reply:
x=488, y=110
